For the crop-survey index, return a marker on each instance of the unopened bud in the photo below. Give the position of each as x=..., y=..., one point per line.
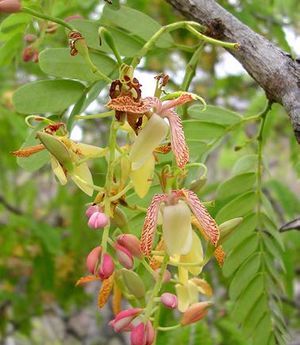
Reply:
x=142, y=334
x=131, y=243
x=92, y=259
x=133, y=283
x=91, y=209
x=195, y=313
x=169, y=300
x=122, y=321
x=227, y=228
x=197, y=184
x=98, y=220
x=120, y=219
x=124, y=256
x=30, y=38
x=107, y=267
x=10, y=6
x=57, y=149
x=30, y=54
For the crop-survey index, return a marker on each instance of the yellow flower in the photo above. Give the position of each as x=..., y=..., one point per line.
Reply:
x=69, y=159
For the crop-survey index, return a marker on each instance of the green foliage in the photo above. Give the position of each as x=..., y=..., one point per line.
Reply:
x=44, y=237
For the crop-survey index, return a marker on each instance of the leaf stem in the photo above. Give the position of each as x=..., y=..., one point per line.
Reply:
x=95, y=116
x=47, y=17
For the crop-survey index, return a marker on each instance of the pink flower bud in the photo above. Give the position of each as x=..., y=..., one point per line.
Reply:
x=169, y=300
x=92, y=259
x=122, y=321
x=30, y=54
x=30, y=38
x=142, y=334
x=10, y=6
x=107, y=266
x=91, y=209
x=195, y=313
x=98, y=220
x=131, y=243
x=124, y=256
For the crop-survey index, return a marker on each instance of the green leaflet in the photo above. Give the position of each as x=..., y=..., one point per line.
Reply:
x=238, y=255
x=236, y=185
x=213, y=114
x=238, y=207
x=126, y=44
x=244, y=275
x=136, y=23
x=47, y=96
x=59, y=63
x=246, y=301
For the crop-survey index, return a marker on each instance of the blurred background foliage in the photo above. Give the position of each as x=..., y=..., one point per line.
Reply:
x=44, y=238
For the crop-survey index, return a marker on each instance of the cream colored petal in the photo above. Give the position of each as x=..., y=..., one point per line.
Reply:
x=194, y=255
x=186, y=248
x=177, y=228
x=182, y=293
x=155, y=130
x=58, y=170
x=90, y=151
x=183, y=275
x=83, y=178
x=142, y=177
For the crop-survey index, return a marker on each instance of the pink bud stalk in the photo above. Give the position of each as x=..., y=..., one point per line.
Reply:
x=169, y=300
x=124, y=256
x=142, y=334
x=107, y=266
x=91, y=210
x=98, y=220
x=131, y=243
x=10, y=6
x=122, y=321
x=195, y=312
x=92, y=259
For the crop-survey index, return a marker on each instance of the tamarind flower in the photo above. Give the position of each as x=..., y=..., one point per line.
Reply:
x=176, y=209
x=142, y=334
x=68, y=159
x=156, y=129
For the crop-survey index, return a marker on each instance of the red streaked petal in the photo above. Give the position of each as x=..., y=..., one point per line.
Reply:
x=182, y=99
x=150, y=223
x=208, y=224
x=178, y=142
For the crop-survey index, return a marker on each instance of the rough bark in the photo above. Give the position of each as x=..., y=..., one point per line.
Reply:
x=274, y=70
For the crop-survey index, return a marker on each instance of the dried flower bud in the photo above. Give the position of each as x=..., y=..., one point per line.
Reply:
x=93, y=258
x=131, y=243
x=195, y=313
x=169, y=300
x=122, y=321
x=107, y=267
x=10, y=6
x=98, y=220
x=124, y=256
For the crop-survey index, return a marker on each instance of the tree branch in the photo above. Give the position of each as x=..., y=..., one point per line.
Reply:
x=274, y=70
